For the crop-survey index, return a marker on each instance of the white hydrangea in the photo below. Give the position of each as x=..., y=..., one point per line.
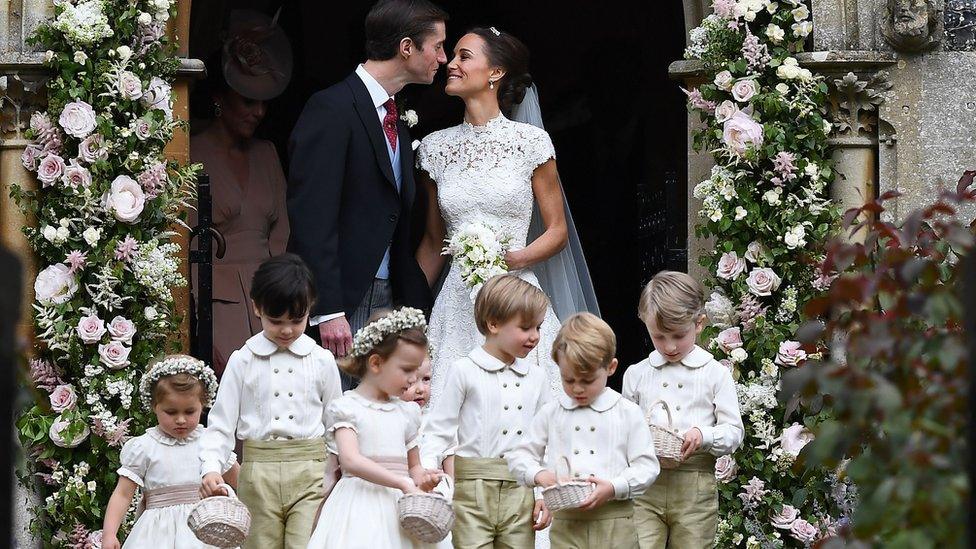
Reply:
x=83, y=24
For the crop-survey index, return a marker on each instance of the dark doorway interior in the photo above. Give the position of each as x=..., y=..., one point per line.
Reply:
x=617, y=121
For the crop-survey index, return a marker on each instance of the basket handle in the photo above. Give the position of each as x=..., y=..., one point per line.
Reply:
x=667, y=410
x=230, y=491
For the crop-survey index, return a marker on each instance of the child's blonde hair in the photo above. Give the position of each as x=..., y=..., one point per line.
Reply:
x=505, y=297
x=673, y=300
x=585, y=343
x=355, y=364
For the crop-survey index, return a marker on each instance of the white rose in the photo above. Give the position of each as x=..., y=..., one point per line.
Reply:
x=125, y=52
x=411, y=118
x=50, y=170
x=125, y=199
x=90, y=329
x=80, y=57
x=754, y=252
x=55, y=284
x=730, y=266
x=129, y=86
x=63, y=398
x=785, y=518
x=812, y=170
x=143, y=129
x=726, y=468
x=150, y=313
x=63, y=234
x=738, y=356
x=114, y=355
x=741, y=132
x=740, y=213
x=826, y=127
x=48, y=56
x=92, y=236
x=743, y=90
x=772, y=197
x=801, y=30
x=782, y=88
x=800, y=13
x=775, y=33
x=762, y=281
x=144, y=18
x=804, y=531
x=157, y=96
x=92, y=485
x=725, y=111
x=795, y=237
x=805, y=75
x=50, y=233
x=57, y=432
x=122, y=329
x=723, y=80
x=749, y=16
x=78, y=119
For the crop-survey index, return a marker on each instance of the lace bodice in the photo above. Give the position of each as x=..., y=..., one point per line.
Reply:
x=484, y=173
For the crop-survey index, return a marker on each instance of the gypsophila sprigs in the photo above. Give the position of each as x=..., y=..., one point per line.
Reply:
x=375, y=332
x=178, y=364
x=157, y=268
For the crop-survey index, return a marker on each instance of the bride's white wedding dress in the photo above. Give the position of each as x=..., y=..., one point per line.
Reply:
x=483, y=174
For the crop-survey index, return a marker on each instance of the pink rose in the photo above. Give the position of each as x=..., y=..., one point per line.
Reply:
x=725, y=111
x=730, y=266
x=57, y=432
x=78, y=119
x=794, y=438
x=728, y=339
x=725, y=469
x=742, y=132
x=50, y=169
x=91, y=329
x=743, y=90
x=76, y=175
x=122, y=329
x=55, y=285
x=29, y=158
x=115, y=355
x=91, y=149
x=125, y=199
x=63, y=398
x=785, y=518
x=143, y=129
x=804, y=531
x=129, y=86
x=790, y=354
x=763, y=281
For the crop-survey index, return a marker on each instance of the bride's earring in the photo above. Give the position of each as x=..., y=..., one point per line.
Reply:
x=491, y=84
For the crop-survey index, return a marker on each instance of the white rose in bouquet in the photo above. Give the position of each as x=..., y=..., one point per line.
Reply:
x=78, y=119
x=763, y=281
x=755, y=252
x=743, y=90
x=723, y=80
x=741, y=132
x=738, y=356
x=795, y=237
x=115, y=355
x=725, y=111
x=775, y=33
x=730, y=266
x=157, y=96
x=58, y=430
x=789, y=69
x=92, y=235
x=125, y=199
x=129, y=86
x=55, y=285
x=90, y=329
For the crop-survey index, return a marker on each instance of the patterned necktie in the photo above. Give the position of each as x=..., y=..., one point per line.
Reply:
x=390, y=123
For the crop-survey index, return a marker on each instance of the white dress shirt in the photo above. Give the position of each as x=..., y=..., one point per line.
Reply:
x=267, y=393
x=699, y=392
x=485, y=409
x=607, y=439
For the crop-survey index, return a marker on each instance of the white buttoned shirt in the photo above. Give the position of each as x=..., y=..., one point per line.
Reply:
x=607, y=439
x=267, y=393
x=485, y=408
x=699, y=391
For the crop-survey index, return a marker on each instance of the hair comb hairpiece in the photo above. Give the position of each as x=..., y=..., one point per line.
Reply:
x=180, y=364
x=375, y=332
x=494, y=30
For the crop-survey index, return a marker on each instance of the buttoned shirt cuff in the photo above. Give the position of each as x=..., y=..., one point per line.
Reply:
x=316, y=320
x=530, y=474
x=708, y=437
x=621, y=488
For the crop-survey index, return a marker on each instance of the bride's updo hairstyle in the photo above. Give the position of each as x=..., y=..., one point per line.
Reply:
x=505, y=51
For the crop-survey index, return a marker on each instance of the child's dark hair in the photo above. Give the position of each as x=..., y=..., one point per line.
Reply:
x=283, y=284
x=356, y=365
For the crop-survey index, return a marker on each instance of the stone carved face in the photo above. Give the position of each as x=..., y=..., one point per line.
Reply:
x=912, y=25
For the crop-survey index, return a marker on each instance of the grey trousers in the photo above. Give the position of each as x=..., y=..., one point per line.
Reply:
x=379, y=295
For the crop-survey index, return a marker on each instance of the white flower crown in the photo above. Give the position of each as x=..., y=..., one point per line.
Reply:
x=375, y=332
x=171, y=366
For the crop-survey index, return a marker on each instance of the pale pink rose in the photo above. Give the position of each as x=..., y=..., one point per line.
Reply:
x=91, y=150
x=30, y=157
x=129, y=86
x=115, y=355
x=77, y=119
x=804, y=531
x=794, y=438
x=94, y=540
x=730, y=266
x=125, y=199
x=50, y=169
x=741, y=132
x=157, y=96
x=726, y=468
x=90, y=329
x=122, y=329
x=785, y=518
x=63, y=398
x=143, y=129
x=728, y=339
x=55, y=285
x=743, y=90
x=57, y=432
x=723, y=80
x=754, y=252
x=763, y=281
x=725, y=110
x=76, y=175
x=790, y=353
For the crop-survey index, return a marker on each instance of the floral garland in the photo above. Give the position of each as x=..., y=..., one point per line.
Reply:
x=173, y=365
x=108, y=197
x=371, y=335
x=766, y=206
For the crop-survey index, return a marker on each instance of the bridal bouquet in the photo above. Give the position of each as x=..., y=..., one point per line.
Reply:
x=479, y=252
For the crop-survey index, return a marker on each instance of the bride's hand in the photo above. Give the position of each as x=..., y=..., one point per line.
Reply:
x=513, y=259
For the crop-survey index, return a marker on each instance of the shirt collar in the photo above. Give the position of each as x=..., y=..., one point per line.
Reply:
x=370, y=403
x=262, y=346
x=697, y=358
x=604, y=402
x=159, y=436
x=489, y=363
x=376, y=91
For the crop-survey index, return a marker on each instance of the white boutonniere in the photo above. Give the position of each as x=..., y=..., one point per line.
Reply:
x=410, y=117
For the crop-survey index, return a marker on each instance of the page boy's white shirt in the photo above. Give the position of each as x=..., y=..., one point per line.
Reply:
x=270, y=394
x=607, y=439
x=699, y=391
x=485, y=408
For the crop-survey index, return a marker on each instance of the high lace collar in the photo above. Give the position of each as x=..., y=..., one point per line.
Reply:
x=370, y=403
x=161, y=437
x=494, y=123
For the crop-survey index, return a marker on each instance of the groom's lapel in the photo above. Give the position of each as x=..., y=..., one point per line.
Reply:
x=367, y=114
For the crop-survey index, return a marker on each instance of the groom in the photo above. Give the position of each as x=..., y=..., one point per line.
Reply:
x=352, y=185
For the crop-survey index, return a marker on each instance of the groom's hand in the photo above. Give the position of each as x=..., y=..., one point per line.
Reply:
x=336, y=336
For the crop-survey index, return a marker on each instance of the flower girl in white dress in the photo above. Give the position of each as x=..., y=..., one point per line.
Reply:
x=177, y=389
x=375, y=434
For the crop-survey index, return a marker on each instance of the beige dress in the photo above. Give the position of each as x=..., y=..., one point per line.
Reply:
x=254, y=221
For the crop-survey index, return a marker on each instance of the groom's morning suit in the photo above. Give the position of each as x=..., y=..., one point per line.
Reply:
x=349, y=201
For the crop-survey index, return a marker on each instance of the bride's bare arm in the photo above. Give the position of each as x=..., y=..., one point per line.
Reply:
x=545, y=187
x=429, y=252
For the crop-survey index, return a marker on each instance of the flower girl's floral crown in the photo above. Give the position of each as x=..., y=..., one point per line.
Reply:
x=177, y=364
x=375, y=332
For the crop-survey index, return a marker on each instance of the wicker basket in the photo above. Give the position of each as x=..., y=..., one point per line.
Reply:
x=222, y=521
x=426, y=517
x=667, y=442
x=566, y=495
